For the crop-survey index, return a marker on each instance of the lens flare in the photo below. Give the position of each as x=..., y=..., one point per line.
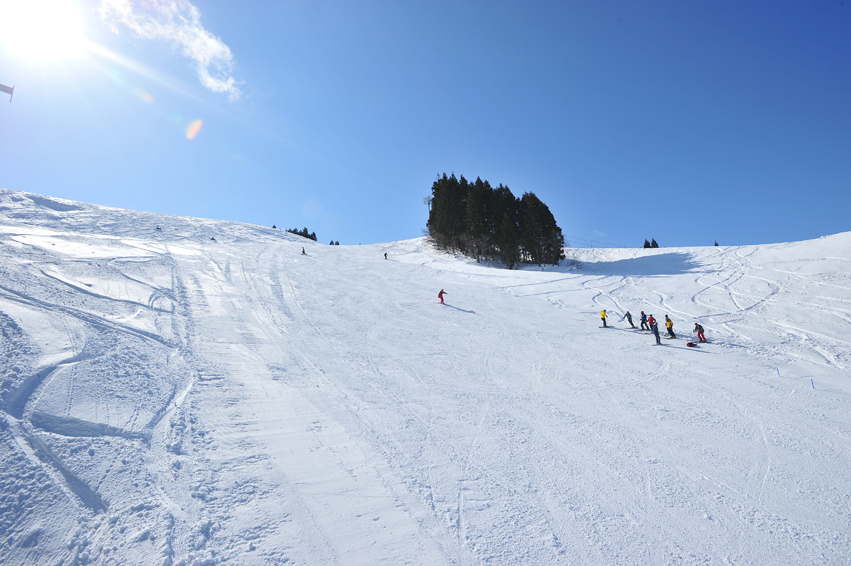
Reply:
x=144, y=95
x=193, y=128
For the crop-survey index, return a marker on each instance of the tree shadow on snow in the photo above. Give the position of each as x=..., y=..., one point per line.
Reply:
x=674, y=263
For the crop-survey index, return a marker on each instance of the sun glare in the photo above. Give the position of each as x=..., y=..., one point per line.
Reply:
x=41, y=31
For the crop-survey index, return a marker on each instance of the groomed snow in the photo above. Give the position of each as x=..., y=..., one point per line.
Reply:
x=173, y=399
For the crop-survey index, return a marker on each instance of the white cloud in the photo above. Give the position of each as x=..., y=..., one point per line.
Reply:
x=178, y=22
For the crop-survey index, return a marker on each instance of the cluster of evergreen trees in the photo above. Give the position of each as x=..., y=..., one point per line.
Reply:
x=478, y=220
x=652, y=244
x=303, y=233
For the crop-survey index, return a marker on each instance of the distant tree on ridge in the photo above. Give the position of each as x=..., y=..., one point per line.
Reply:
x=480, y=221
x=303, y=233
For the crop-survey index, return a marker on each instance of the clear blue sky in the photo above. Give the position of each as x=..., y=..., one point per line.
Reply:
x=684, y=121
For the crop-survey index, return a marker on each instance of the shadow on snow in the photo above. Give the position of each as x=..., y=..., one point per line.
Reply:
x=457, y=309
x=673, y=263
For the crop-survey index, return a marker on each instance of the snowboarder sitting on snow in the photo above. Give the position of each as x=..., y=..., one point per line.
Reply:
x=655, y=328
x=699, y=329
x=440, y=295
x=628, y=317
x=603, y=318
x=644, y=325
x=669, y=324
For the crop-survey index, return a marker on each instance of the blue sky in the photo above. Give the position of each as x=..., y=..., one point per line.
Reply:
x=689, y=122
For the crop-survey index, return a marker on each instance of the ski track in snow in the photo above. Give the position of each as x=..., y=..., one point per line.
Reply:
x=172, y=399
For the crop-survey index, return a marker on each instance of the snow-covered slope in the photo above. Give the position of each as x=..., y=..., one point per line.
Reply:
x=173, y=399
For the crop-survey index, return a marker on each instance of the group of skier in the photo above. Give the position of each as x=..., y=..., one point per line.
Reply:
x=649, y=323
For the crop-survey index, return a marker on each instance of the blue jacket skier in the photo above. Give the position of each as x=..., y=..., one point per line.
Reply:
x=628, y=317
x=644, y=325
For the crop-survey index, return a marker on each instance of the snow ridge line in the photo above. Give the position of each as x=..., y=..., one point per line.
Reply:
x=69, y=426
x=84, y=316
x=87, y=495
x=103, y=297
x=17, y=400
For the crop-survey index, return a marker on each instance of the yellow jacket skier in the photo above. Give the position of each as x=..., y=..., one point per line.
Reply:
x=669, y=324
x=603, y=317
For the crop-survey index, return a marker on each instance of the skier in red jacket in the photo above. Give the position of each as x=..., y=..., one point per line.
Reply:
x=440, y=295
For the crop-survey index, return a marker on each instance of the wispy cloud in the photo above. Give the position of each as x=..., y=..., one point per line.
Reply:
x=178, y=22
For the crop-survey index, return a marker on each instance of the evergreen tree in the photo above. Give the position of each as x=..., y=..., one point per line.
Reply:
x=653, y=243
x=477, y=235
x=716, y=242
x=647, y=244
x=475, y=219
x=303, y=233
x=542, y=240
x=508, y=241
x=446, y=218
x=531, y=231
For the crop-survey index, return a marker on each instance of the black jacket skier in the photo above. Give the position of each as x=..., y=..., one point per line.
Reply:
x=628, y=317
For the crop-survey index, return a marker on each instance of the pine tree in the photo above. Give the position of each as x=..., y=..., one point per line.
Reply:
x=531, y=230
x=303, y=233
x=508, y=241
x=716, y=242
x=653, y=243
x=476, y=222
x=471, y=218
